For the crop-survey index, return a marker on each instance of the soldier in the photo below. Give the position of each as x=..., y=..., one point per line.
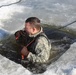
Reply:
x=39, y=49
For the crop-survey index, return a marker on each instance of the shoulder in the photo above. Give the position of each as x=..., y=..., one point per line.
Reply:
x=42, y=36
x=42, y=39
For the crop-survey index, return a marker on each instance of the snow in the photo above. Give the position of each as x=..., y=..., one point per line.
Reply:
x=4, y=2
x=65, y=65
x=8, y=67
x=8, y=14
x=56, y=12
x=8, y=11
x=50, y=12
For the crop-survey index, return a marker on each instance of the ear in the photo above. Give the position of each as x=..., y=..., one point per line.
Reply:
x=34, y=28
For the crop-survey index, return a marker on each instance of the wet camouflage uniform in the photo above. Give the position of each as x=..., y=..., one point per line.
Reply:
x=40, y=48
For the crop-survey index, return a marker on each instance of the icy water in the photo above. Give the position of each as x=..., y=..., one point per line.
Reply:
x=60, y=41
x=52, y=12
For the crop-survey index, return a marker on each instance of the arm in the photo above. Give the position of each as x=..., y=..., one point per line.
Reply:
x=43, y=51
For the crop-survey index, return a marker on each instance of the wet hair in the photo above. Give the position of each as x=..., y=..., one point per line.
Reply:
x=34, y=21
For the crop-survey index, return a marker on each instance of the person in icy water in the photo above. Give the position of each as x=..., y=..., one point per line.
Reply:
x=39, y=50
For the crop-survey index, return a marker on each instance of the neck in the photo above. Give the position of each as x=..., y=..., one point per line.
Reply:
x=37, y=31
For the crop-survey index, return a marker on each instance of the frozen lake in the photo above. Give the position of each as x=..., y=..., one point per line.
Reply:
x=57, y=12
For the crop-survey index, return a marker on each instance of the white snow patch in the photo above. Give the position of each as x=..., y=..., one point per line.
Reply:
x=8, y=67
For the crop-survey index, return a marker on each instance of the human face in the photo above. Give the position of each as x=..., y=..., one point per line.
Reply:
x=28, y=28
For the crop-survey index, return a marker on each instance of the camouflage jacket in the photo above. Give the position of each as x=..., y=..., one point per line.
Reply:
x=40, y=49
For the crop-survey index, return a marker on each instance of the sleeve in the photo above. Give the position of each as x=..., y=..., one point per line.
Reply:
x=43, y=51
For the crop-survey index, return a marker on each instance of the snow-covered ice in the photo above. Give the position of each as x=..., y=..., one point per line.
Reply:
x=59, y=12
x=8, y=67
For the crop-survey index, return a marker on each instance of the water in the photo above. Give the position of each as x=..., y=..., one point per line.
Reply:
x=56, y=12
x=60, y=41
